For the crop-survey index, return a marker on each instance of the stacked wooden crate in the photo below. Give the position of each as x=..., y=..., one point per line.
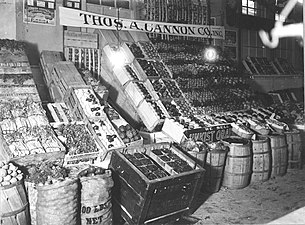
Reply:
x=82, y=49
x=16, y=78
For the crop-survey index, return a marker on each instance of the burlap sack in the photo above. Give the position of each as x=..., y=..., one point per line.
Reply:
x=57, y=203
x=96, y=199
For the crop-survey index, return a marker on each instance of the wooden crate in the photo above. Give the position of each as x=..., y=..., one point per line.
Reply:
x=9, y=92
x=119, y=100
x=123, y=76
x=47, y=62
x=65, y=76
x=88, y=58
x=17, y=79
x=14, y=63
x=7, y=155
x=60, y=114
x=74, y=105
x=144, y=201
x=80, y=39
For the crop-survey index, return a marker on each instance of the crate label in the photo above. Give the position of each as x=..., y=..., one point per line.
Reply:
x=87, y=158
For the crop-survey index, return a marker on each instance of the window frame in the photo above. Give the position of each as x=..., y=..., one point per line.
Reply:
x=251, y=8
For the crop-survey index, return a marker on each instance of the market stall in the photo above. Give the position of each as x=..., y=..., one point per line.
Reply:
x=135, y=141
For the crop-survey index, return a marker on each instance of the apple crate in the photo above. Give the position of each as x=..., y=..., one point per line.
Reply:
x=149, y=116
x=144, y=201
x=47, y=62
x=119, y=100
x=144, y=73
x=135, y=93
x=118, y=121
x=76, y=109
x=149, y=50
x=127, y=73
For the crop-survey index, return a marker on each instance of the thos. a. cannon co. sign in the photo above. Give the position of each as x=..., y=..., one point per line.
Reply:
x=210, y=134
x=79, y=18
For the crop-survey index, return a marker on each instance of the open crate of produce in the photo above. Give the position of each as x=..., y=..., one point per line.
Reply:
x=127, y=133
x=82, y=146
x=83, y=103
x=149, y=191
x=149, y=50
x=11, y=93
x=152, y=114
x=127, y=73
x=31, y=147
x=16, y=80
x=139, y=91
x=146, y=67
x=13, y=59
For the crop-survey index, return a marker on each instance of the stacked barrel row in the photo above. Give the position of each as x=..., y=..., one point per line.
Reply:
x=251, y=161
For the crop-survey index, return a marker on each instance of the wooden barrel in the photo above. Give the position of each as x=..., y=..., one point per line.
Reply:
x=96, y=207
x=238, y=165
x=214, y=166
x=279, y=153
x=14, y=205
x=261, y=159
x=294, y=146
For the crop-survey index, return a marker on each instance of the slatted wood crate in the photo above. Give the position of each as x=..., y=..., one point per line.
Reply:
x=65, y=76
x=129, y=72
x=7, y=155
x=14, y=62
x=136, y=115
x=143, y=201
x=47, y=62
x=16, y=92
x=88, y=58
x=60, y=114
x=80, y=39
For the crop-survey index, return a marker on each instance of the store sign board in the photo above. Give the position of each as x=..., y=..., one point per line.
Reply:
x=39, y=12
x=210, y=134
x=79, y=18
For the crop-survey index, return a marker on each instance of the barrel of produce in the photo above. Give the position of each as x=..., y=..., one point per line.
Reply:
x=261, y=159
x=279, y=153
x=96, y=199
x=14, y=204
x=215, y=163
x=238, y=167
x=294, y=145
x=58, y=203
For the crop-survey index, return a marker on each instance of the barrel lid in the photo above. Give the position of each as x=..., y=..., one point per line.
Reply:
x=236, y=140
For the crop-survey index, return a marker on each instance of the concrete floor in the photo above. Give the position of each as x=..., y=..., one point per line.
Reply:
x=259, y=203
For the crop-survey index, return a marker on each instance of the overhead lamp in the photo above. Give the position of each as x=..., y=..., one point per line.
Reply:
x=210, y=54
x=117, y=56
